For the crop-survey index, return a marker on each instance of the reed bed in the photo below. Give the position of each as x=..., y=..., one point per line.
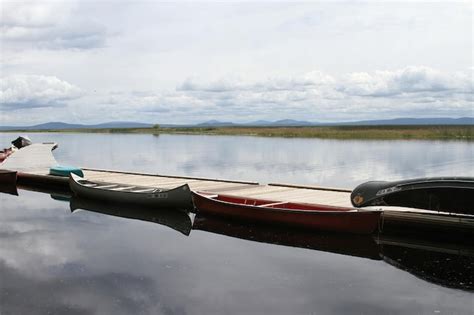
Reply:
x=424, y=132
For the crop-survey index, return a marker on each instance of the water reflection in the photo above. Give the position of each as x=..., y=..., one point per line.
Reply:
x=338, y=163
x=346, y=244
x=440, y=260
x=177, y=220
x=52, y=261
x=446, y=264
x=8, y=182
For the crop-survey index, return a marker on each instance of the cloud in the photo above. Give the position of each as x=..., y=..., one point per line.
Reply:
x=409, y=80
x=314, y=96
x=311, y=79
x=33, y=91
x=52, y=25
x=412, y=91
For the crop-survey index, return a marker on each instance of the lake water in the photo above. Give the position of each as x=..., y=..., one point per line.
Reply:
x=53, y=261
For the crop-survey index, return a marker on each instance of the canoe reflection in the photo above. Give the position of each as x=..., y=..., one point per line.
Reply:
x=345, y=244
x=177, y=220
x=446, y=264
x=440, y=260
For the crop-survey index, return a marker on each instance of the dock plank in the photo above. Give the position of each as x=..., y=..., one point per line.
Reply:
x=36, y=158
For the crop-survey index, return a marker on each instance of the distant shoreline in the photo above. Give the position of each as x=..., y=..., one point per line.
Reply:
x=396, y=132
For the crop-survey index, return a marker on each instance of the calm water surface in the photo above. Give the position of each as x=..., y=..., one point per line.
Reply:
x=53, y=261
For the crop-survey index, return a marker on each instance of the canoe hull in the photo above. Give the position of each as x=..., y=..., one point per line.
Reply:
x=8, y=180
x=177, y=198
x=326, y=219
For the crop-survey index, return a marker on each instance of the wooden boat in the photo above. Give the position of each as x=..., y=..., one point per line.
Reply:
x=177, y=220
x=8, y=181
x=314, y=216
x=176, y=198
x=445, y=194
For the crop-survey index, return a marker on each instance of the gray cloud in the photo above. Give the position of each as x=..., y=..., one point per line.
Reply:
x=52, y=25
x=301, y=83
x=34, y=91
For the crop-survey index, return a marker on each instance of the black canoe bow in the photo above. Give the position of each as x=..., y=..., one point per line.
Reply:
x=447, y=194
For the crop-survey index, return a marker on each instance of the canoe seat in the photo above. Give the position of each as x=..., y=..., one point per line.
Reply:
x=106, y=186
x=123, y=188
x=144, y=190
x=272, y=204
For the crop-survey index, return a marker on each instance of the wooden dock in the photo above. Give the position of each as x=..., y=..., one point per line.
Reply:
x=33, y=163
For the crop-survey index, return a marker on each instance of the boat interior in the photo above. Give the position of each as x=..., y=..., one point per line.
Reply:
x=275, y=204
x=118, y=187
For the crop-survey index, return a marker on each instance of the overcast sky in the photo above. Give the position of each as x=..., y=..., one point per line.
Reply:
x=98, y=61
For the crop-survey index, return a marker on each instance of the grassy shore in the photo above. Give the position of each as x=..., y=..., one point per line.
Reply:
x=326, y=132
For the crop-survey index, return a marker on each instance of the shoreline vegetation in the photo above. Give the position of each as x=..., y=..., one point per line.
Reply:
x=398, y=132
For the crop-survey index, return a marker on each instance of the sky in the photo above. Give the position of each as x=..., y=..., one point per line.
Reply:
x=187, y=62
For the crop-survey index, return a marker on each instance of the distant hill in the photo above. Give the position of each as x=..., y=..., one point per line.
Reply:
x=260, y=123
x=284, y=122
x=61, y=125
x=215, y=123
x=388, y=122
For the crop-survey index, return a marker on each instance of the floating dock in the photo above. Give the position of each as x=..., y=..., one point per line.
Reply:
x=33, y=163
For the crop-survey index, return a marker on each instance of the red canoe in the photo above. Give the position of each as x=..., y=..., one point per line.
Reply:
x=4, y=154
x=314, y=216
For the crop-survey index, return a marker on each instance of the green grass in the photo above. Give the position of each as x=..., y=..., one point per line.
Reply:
x=327, y=132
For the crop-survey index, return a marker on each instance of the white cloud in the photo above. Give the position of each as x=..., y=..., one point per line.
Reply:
x=403, y=81
x=315, y=96
x=33, y=91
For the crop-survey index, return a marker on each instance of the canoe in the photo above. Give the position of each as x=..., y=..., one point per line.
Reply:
x=312, y=216
x=444, y=194
x=8, y=181
x=177, y=220
x=176, y=198
x=21, y=142
x=5, y=154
